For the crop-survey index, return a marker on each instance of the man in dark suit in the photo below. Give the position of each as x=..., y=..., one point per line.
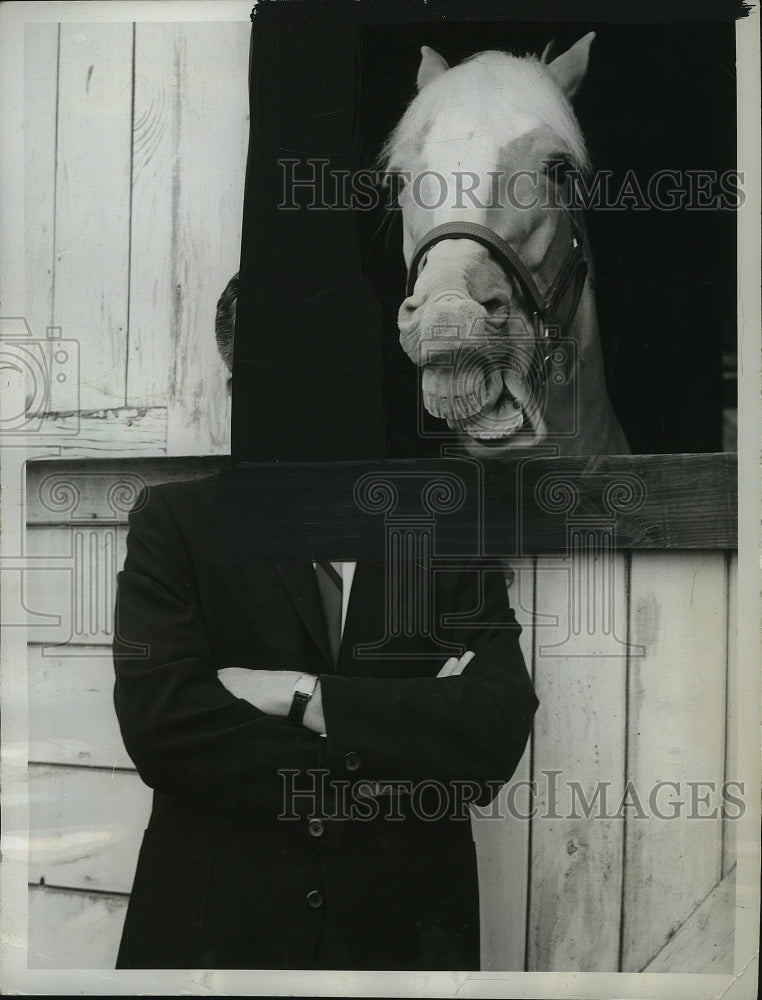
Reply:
x=310, y=801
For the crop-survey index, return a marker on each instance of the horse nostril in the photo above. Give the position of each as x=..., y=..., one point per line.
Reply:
x=407, y=310
x=412, y=303
x=495, y=304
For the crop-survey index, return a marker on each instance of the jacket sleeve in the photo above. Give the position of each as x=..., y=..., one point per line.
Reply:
x=184, y=731
x=467, y=728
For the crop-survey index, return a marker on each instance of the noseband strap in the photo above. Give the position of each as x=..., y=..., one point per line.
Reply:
x=488, y=238
x=545, y=308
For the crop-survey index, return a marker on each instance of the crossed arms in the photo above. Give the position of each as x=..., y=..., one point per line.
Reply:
x=271, y=691
x=190, y=735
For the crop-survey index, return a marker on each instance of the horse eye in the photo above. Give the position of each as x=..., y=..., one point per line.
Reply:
x=395, y=183
x=558, y=167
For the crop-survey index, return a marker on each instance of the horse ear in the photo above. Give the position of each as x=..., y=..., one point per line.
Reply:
x=570, y=68
x=432, y=66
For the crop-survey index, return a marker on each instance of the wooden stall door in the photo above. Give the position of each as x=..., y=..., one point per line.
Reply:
x=135, y=153
x=649, y=699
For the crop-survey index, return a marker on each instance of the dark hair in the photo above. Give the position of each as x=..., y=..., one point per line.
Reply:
x=224, y=323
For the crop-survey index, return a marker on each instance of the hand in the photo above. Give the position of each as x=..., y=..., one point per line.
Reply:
x=271, y=691
x=455, y=666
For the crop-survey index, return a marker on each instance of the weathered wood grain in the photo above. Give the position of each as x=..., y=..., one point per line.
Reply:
x=74, y=930
x=154, y=222
x=40, y=89
x=69, y=492
x=123, y=432
x=580, y=679
x=705, y=943
x=72, y=579
x=71, y=708
x=85, y=826
x=502, y=837
x=730, y=824
x=676, y=730
x=92, y=226
x=652, y=501
x=189, y=156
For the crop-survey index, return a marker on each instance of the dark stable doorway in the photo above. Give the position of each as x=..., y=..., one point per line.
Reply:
x=657, y=97
x=319, y=371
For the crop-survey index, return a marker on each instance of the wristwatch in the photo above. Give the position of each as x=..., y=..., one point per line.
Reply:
x=303, y=691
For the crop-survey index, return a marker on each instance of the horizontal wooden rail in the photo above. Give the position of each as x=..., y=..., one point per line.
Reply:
x=514, y=507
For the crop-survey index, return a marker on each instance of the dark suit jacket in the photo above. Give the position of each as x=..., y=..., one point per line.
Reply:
x=221, y=881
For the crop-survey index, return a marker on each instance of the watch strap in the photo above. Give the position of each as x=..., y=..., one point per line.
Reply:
x=303, y=691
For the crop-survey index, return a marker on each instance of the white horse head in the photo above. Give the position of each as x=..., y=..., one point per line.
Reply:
x=499, y=312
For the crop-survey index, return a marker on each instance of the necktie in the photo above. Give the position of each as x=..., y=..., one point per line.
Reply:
x=331, y=587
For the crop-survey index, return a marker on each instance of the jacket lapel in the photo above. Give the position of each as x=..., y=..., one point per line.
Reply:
x=299, y=580
x=366, y=620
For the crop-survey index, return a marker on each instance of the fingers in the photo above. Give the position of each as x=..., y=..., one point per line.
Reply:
x=449, y=667
x=465, y=660
x=455, y=666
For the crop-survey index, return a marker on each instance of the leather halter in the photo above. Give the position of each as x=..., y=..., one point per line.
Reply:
x=549, y=319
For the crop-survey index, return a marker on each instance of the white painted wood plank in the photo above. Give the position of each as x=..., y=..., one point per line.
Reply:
x=502, y=837
x=676, y=733
x=706, y=941
x=70, y=585
x=191, y=137
x=40, y=87
x=71, y=708
x=92, y=210
x=85, y=826
x=123, y=432
x=730, y=825
x=159, y=103
x=74, y=930
x=580, y=679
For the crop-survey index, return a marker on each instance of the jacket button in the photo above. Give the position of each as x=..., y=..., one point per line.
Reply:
x=315, y=899
x=352, y=760
x=316, y=827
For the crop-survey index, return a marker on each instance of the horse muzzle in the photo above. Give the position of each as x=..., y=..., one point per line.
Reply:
x=476, y=378
x=441, y=327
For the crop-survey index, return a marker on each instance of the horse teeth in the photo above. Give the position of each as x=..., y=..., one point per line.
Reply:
x=444, y=395
x=499, y=421
x=516, y=385
x=461, y=397
x=493, y=388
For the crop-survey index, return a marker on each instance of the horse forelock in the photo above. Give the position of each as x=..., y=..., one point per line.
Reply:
x=501, y=94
